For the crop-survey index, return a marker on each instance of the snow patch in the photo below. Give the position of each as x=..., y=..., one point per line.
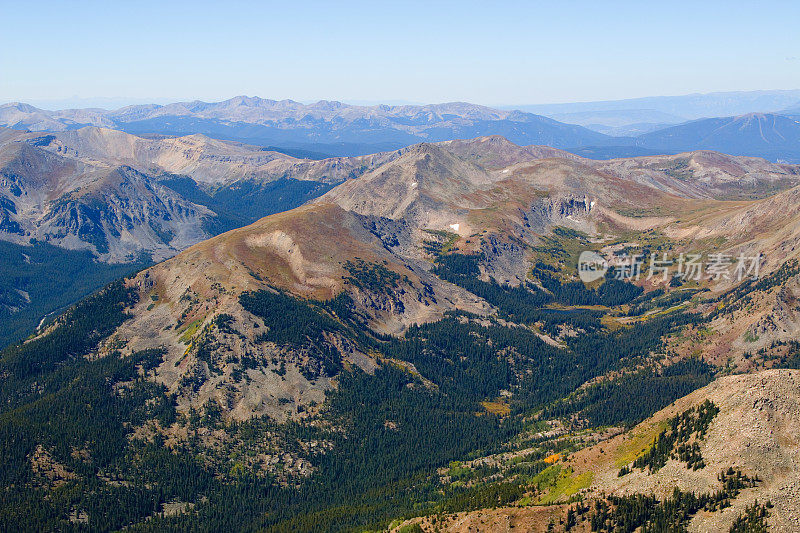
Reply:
x=455, y=227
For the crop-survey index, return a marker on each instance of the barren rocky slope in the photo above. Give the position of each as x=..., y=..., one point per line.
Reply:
x=116, y=211
x=705, y=174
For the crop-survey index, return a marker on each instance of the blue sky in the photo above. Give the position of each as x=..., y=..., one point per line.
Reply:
x=483, y=52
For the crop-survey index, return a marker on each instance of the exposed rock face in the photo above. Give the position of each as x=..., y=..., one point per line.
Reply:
x=504, y=261
x=125, y=214
x=565, y=210
x=782, y=322
x=116, y=212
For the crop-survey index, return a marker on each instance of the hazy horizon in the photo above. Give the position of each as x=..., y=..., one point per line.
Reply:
x=116, y=102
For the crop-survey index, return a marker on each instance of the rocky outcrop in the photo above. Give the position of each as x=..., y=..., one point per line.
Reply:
x=568, y=210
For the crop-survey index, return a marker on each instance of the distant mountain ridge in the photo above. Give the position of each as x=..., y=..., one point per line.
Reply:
x=331, y=127
x=598, y=130
x=792, y=111
x=639, y=116
x=758, y=134
x=620, y=123
x=686, y=107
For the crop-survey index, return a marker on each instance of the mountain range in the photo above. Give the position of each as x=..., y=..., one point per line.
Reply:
x=328, y=128
x=112, y=202
x=408, y=349
x=765, y=135
x=668, y=109
x=126, y=199
x=401, y=339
